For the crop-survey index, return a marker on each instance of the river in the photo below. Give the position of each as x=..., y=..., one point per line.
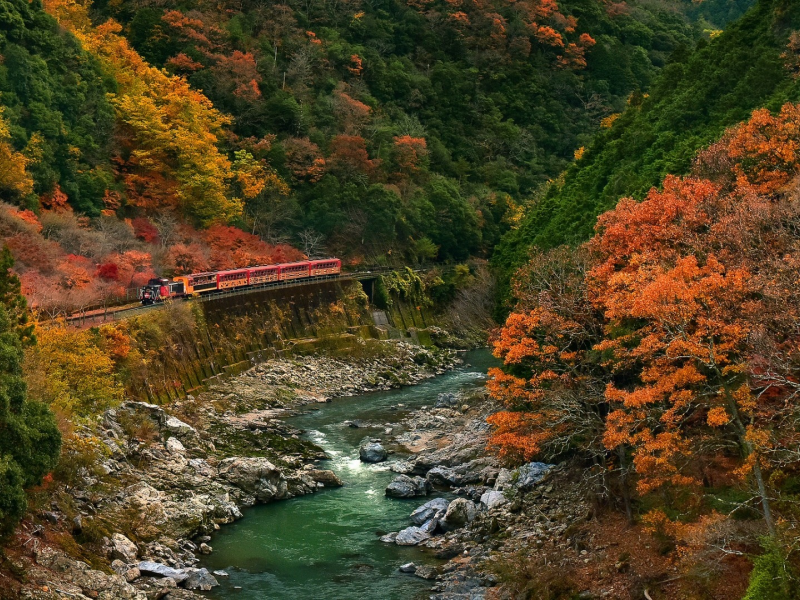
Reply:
x=326, y=545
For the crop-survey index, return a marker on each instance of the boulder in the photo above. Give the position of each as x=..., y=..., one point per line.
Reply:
x=404, y=486
x=123, y=549
x=147, y=567
x=402, y=466
x=372, y=452
x=493, y=498
x=426, y=572
x=205, y=549
x=200, y=579
x=430, y=526
x=429, y=510
x=407, y=568
x=174, y=446
x=446, y=400
x=178, y=427
x=325, y=477
x=444, y=476
x=389, y=538
x=531, y=474
x=256, y=476
x=460, y=512
x=411, y=536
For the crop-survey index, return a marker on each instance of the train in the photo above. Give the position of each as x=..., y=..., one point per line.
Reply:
x=182, y=286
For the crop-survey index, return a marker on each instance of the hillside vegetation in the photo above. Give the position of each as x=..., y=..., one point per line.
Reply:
x=695, y=98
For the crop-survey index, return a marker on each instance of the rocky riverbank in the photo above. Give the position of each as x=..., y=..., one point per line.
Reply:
x=155, y=481
x=502, y=521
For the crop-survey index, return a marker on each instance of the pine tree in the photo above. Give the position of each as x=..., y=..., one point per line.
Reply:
x=29, y=439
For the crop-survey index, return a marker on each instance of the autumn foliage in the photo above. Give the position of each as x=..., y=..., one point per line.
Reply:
x=666, y=349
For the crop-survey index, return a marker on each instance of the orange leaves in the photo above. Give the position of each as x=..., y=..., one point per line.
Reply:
x=356, y=66
x=304, y=159
x=718, y=417
x=171, y=130
x=230, y=247
x=409, y=151
x=14, y=176
x=764, y=150
x=349, y=156
x=352, y=114
x=792, y=54
x=181, y=62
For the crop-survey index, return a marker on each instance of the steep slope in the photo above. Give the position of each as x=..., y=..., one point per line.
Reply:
x=54, y=99
x=409, y=128
x=694, y=99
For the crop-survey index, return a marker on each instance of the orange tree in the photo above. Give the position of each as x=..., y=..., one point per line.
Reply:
x=691, y=296
x=552, y=388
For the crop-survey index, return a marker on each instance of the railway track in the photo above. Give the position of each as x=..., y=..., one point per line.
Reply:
x=95, y=316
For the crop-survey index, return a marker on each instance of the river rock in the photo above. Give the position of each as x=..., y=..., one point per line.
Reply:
x=430, y=526
x=200, y=579
x=389, y=538
x=493, y=498
x=205, y=549
x=403, y=467
x=411, y=536
x=426, y=572
x=372, y=452
x=446, y=400
x=460, y=512
x=147, y=567
x=123, y=549
x=531, y=474
x=444, y=476
x=255, y=475
x=407, y=568
x=404, y=486
x=325, y=477
x=429, y=510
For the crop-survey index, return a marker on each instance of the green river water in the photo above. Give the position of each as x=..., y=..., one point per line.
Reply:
x=326, y=545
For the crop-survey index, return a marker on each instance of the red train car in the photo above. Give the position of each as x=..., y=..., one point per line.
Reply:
x=296, y=270
x=232, y=279
x=158, y=290
x=328, y=266
x=266, y=274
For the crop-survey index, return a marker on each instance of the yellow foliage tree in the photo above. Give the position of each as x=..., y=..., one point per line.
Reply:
x=174, y=130
x=68, y=370
x=14, y=177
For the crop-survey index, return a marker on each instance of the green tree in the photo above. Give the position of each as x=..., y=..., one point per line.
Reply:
x=29, y=439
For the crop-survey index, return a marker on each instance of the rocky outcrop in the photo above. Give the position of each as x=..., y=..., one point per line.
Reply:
x=182, y=471
x=79, y=580
x=404, y=486
x=432, y=509
x=411, y=536
x=257, y=477
x=460, y=512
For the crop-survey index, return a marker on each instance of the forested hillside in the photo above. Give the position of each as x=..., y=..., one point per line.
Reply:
x=652, y=338
x=695, y=98
x=407, y=126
